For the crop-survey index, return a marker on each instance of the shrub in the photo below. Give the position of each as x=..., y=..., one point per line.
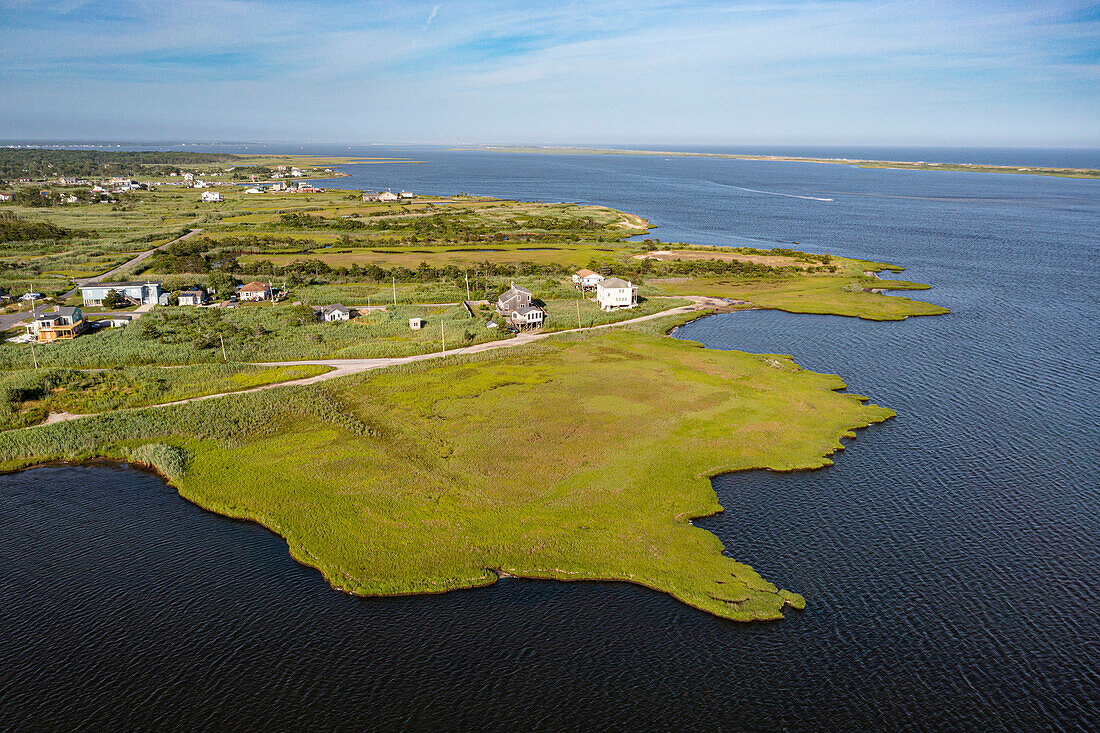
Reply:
x=167, y=459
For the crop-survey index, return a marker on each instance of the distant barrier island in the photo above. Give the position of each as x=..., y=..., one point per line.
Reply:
x=858, y=162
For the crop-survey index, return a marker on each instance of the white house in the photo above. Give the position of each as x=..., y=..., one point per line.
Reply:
x=297, y=173
x=336, y=312
x=530, y=316
x=612, y=293
x=211, y=196
x=416, y=323
x=406, y=195
x=254, y=291
x=388, y=196
x=254, y=190
x=586, y=279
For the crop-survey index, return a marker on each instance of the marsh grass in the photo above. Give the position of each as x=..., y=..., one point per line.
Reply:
x=27, y=396
x=579, y=457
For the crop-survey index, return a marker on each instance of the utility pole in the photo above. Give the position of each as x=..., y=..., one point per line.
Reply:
x=579, y=314
x=34, y=336
x=225, y=360
x=395, y=289
x=444, y=335
x=467, y=286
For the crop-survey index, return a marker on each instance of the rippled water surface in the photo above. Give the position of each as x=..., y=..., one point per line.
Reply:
x=950, y=558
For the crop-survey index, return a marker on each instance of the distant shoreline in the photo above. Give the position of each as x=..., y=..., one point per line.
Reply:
x=858, y=162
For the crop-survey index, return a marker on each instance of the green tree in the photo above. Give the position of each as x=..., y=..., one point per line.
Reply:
x=222, y=283
x=113, y=299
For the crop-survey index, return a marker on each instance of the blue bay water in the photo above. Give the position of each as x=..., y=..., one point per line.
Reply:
x=950, y=558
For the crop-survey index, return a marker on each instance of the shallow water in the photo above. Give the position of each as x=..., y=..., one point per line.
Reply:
x=950, y=557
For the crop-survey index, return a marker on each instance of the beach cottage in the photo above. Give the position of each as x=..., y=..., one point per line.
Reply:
x=586, y=279
x=254, y=291
x=61, y=324
x=335, y=312
x=194, y=296
x=137, y=293
x=516, y=306
x=612, y=293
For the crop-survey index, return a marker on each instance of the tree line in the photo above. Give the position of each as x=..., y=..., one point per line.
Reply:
x=38, y=163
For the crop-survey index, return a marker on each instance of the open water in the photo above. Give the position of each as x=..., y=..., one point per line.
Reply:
x=950, y=558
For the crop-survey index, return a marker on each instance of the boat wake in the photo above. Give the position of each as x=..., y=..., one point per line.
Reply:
x=772, y=193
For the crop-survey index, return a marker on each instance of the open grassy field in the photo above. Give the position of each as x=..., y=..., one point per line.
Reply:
x=581, y=457
x=803, y=283
x=27, y=397
x=170, y=336
x=819, y=294
x=573, y=257
x=177, y=336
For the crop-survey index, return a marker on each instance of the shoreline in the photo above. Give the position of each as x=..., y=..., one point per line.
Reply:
x=109, y=455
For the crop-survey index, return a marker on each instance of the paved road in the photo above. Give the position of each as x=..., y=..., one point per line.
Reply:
x=7, y=320
x=344, y=367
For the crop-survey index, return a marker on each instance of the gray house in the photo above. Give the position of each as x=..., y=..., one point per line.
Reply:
x=515, y=305
x=141, y=293
x=512, y=299
x=194, y=296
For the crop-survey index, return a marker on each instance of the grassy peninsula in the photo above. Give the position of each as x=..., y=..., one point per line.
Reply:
x=574, y=452
x=583, y=457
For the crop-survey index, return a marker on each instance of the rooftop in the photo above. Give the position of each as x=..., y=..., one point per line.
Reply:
x=118, y=285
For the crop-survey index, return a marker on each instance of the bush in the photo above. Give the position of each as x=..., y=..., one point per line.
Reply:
x=167, y=459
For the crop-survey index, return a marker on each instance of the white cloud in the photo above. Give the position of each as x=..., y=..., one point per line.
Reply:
x=578, y=71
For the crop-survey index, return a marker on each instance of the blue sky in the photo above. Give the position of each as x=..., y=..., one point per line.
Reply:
x=635, y=71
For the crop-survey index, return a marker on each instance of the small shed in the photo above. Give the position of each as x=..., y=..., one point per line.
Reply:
x=416, y=323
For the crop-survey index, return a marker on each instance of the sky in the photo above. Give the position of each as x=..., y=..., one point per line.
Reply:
x=646, y=72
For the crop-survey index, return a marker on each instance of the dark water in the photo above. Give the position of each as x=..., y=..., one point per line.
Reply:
x=951, y=558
